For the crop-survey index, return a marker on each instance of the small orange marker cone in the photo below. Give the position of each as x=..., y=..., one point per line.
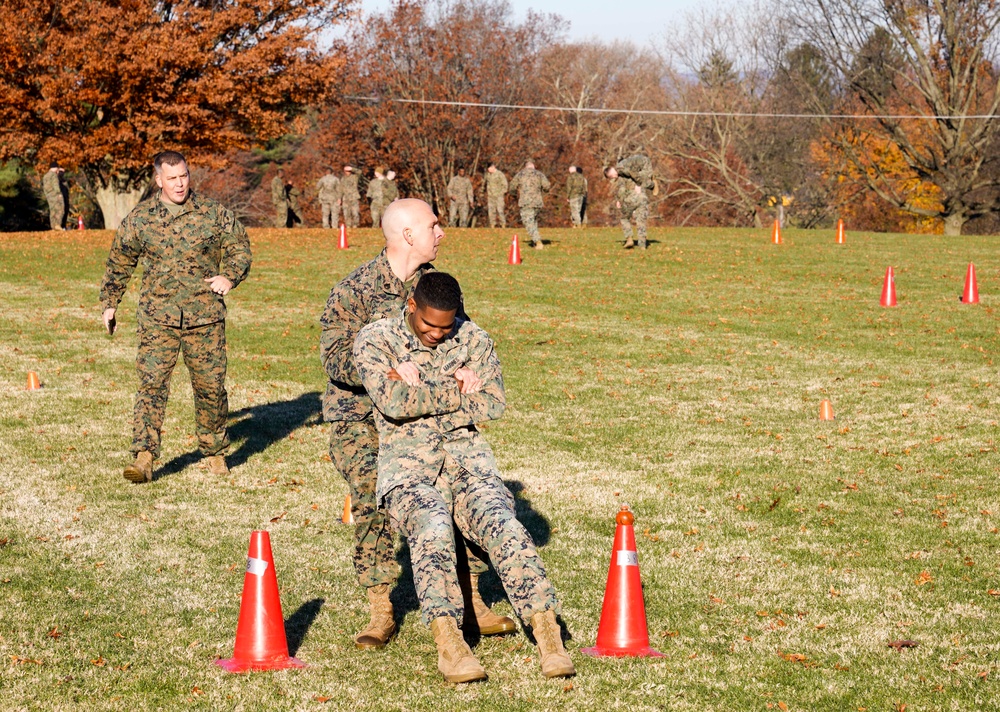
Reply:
x=622, y=631
x=840, y=232
x=33, y=384
x=889, y=289
x=348, y=517
x=971, y=293
x=79, y=222
x=343, y=237
x=776, y=233
x=260, y=634
x=514, y=257
x=826, y=410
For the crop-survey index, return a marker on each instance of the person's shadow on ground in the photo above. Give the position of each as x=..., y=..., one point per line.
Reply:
x=256, y=428
x=297, y=625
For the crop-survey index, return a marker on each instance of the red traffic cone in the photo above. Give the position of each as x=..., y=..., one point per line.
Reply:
x=79, y=222
x=623, y=631
x=33, y=383
x=826, y=410
x=343, y=237
x=776, y=233
x=260, y=632
x=971, y=293
x=840, y=232
x=514, y=258
x=889, y=289
x=348, y=517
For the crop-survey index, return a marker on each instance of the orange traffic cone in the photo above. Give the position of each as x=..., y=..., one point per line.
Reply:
x=33, y=384
x=343, y=237
x=826, y=410
x=971, y=293
x=840, y=232
x=776, y=233
x=79, y=222
x=348, y=517
x=260, y=634
x=514, y=257
x=889, y=289
x=623, y=631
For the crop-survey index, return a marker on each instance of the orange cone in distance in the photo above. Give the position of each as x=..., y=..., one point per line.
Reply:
x=348, y=517
x=33, y=383
x=343, y=237
x=514, y=256
x=971, y=293
x=776, y=233
x=840, y=232
x=889, y=289
x=79, y=222
x=826, y=410
x=260, y=633
x=622, y=631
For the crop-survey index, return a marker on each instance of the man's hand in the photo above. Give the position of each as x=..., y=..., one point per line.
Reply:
x=219, y=284
x=406, y=372
x=637, y=190
x=109, y=321
x=468, y=381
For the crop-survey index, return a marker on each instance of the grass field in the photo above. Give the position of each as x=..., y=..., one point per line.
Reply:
x=780, y=554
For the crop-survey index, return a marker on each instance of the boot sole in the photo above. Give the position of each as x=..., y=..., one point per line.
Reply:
x=568, y=671
x=467, y=677
x=134, y=474
x=374, y=645
x=499, y=629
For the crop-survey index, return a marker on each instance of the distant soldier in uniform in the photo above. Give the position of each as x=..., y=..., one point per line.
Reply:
x=375, y=195
x=374, y=290
x=56, y=195
x=432, y=377
x=193, y=252
x=576, y=195
x=390, y=191
x=294, y=211
x=328, y=192
x=460, y=200
x=496, y=193
x=279, y=199
x=531, y=185
x=632, y=177
x=350, y=197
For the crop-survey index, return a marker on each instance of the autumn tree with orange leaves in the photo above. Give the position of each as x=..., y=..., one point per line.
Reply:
x=101, y=86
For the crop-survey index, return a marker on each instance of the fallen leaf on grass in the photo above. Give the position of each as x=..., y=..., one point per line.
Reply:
x=923, y=578
x=782, y=706
x=23, y=661
x=321, y=698
x=99, y=662
x=994, y=592
x=279, y=517
x=54, y=633
x=900, y=644
x=568, y=688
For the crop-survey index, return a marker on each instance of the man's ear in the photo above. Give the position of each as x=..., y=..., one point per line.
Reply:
x=408, y=236
x=411, y=305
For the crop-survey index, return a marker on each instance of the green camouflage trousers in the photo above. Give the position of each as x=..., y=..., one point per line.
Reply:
x=57, y=212
x=281, y=214
x=576, y=211
x=497, y=210
x=483, y=510
x=330, y=211
x=458, y=213
x=529, y=218
x=354, y=452
x=638, y=214
x=352, y=212
x=204, y=349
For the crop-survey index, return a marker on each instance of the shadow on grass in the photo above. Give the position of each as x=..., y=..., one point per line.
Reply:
x=258, y=427
x=297, y=624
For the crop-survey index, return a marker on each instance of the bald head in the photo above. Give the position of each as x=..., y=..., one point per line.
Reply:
x=412, y=234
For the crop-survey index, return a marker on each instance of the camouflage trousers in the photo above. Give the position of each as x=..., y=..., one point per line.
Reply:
x=281, y=214
x=352, y=212
x=483, y=510
x=57, y=212
x=638, y=214
x=497, y=210
x=354, y=451
x=458, y=209
x=529, y=218
x=576, y=210
x=377, y=210
x=330, y=212
x=204, y=349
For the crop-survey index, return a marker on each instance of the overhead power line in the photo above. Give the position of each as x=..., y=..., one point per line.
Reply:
x=659, y=112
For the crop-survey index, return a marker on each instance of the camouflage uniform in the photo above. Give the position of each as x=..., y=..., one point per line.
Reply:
x=376, y=198
x=634, y=171
x=496, y=190
x=530, y=185
x=328, y=190
x=294, y=212
x=576, y=192
x=55, y=195
x=178, y=312
x=369, y=293
x=435, y=466
x=390, y=192
x=349, y=199
x=280, y=201
x=459, y=200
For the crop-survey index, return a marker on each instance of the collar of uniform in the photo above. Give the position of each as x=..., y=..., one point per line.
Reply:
x=389, y=282
x=192, y=204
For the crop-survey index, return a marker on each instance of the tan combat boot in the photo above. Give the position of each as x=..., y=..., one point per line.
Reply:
x=629, y=244
x=479, y=616
x=381, y=626
x=555, y=661
x=217, y=465
x=142, y=469
x=455, y=659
